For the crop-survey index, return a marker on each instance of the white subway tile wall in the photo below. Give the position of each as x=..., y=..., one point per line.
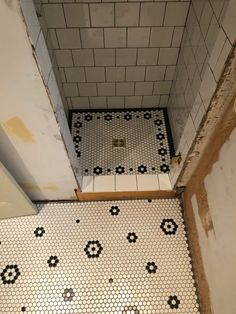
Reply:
x=206, y=44
x=121, y=47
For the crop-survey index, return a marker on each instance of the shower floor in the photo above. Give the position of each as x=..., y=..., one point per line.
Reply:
x=121, y=142
x=98, y=257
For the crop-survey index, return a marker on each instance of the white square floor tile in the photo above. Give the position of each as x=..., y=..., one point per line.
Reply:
x=104, y=184
x=126, y=183
x=147, y=182
x=164, y=181
x=87, y=184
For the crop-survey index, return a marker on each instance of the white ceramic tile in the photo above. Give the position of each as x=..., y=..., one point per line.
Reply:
x=43, y=58
x=151, y=101
x=104, y=57
x=31, y=19
x=126, y=56
x=212, y=33
x=162, y=87
x=126, y=183
x=102, y=14
x=147, y=56
x=163, y=100
x=83, y=57
x=152, y=14
x=147, y=182
x=170, y=72
x=87, y=89
x=146, y=152
x=138, y=37
x=177, y=36
x=164, y=181
x=115, y=37
x=68, y=38
x=104, y=184
x=205, y=18
x=218, y=46
x=74, y=74
x=161, y=36
x=229, y=22
x=208, y=87
x=155, y=73
x=98, y=102
x=189, y=131
x=70, y=89
x=143, y=88
x=125, y=89
x=54, y=15
x=80, y=102
x=198, y=118
x=135, y=73
x=53, y=90
x=133, y=101
x=91, y=37
x=53, y=39
x=87, y=184
x=95, y=74
x=77, y=15
x=114, y=74
x=106, y=89
x=64, y=58
x=115, y=102
x=121, y=249
x=168, y=56
x=222, y=60
x=176, y=13
x=127, y=14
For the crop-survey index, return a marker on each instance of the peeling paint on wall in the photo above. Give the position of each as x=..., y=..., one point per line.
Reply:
x=17, y=127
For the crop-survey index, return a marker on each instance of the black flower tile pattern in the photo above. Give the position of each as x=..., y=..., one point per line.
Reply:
x=53, y=261
x=151, y=275
x=144, y=132
x=68, y=294
x=173, y=302
x=132, y=237
x=169, y=226
x=120, y=169
x=151, y=267
x=10, y=274
x=97, y=170
x=93, y=249
x=114, y=210
x=39, y=232
x=142, y=169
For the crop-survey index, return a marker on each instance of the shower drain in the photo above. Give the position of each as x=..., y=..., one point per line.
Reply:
x=118, y=143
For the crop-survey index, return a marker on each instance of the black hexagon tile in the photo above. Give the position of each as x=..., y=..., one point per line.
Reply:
x=97, y=257
x=144, y=133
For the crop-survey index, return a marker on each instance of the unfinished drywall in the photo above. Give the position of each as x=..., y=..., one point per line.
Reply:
x=217, y=245
x=210, y=216
x=31, y=145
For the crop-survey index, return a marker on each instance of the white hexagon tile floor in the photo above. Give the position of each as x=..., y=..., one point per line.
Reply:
x=98, y=257
x=144, y=132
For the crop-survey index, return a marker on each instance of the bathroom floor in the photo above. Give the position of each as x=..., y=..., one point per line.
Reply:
x=122, y=142
x=98, y=257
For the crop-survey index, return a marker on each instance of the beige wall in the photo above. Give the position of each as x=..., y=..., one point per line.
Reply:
x=31, y=145
x=218, y=248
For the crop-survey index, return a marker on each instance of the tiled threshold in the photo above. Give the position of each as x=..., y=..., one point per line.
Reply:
x=123, y=183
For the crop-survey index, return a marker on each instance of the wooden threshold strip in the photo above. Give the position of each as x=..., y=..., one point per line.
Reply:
x=126, y=195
